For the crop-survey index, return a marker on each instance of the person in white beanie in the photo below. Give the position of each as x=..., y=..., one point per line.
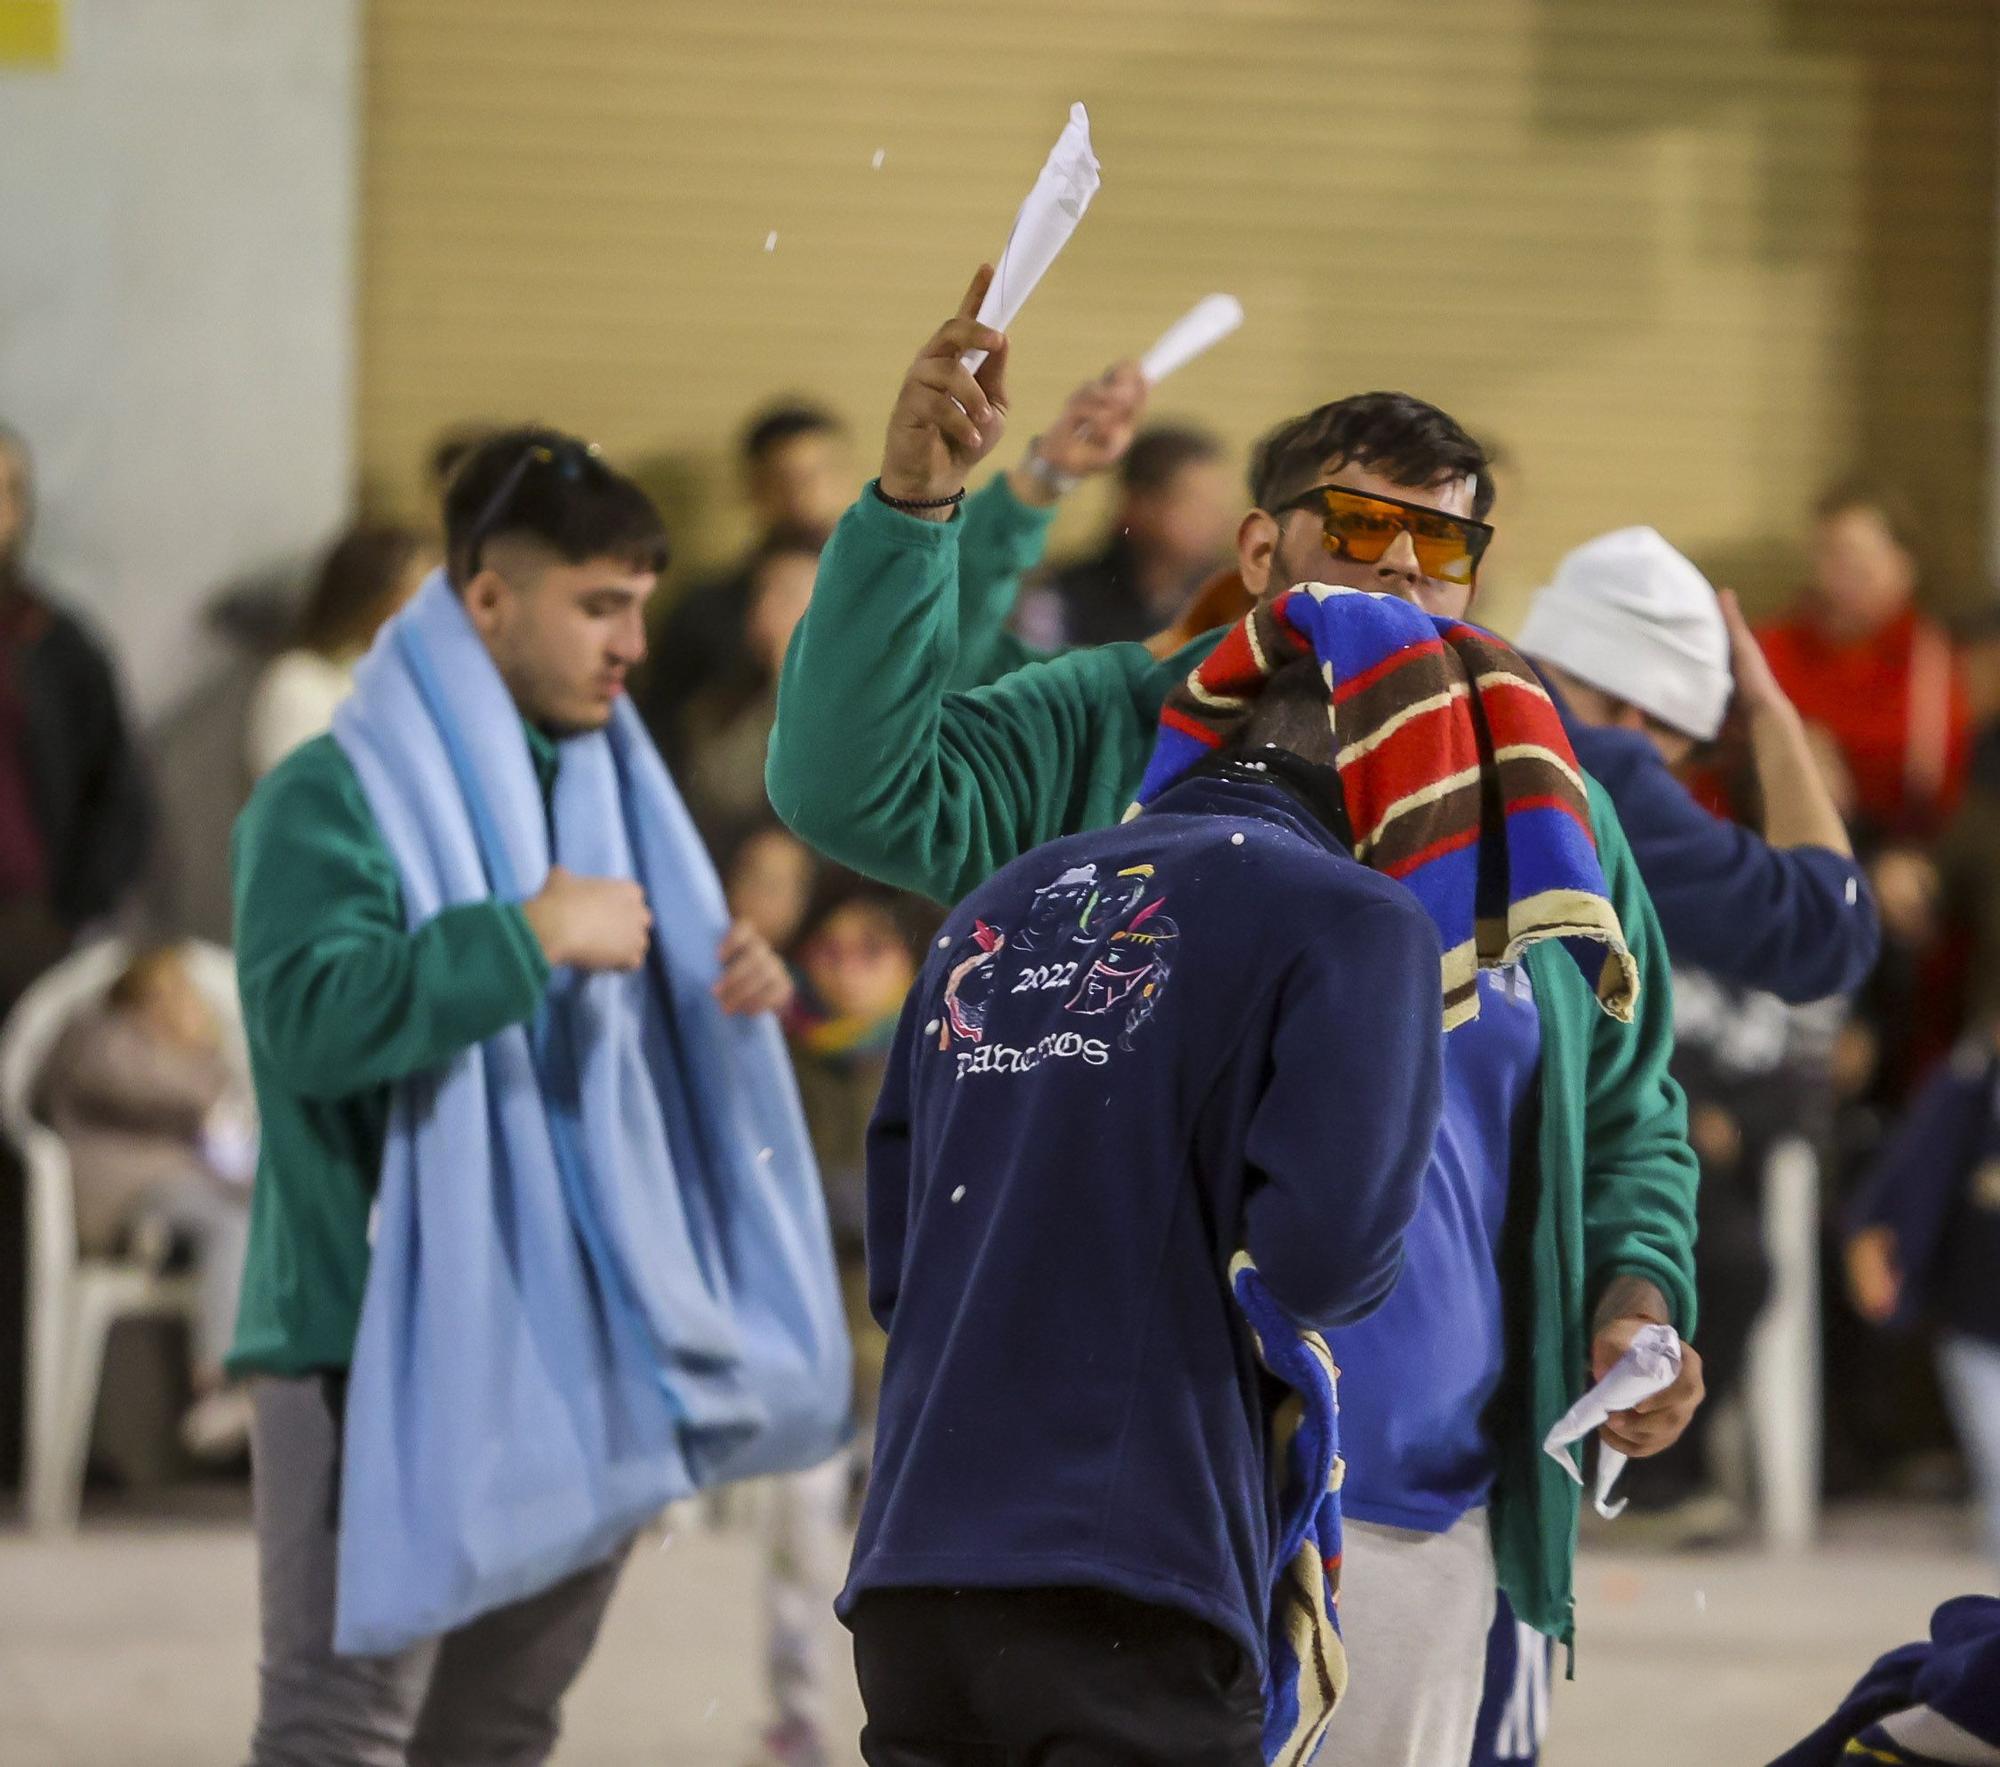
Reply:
x=1642, y=657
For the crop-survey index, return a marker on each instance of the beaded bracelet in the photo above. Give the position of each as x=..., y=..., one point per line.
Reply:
x=915, y=503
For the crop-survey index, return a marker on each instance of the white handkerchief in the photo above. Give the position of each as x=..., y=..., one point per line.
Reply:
x=1653, y=1362
x=1208, y=321
x=1042, y=227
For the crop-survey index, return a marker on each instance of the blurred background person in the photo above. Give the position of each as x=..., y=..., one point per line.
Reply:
x=798, y=475
x=1170, y=530
x=154, y=1115
x=1860, y=659
x=854, y=959
x=1924, y=1248
x=369, y=573
x=768, y=876
x=75, y=812
x=726, y=726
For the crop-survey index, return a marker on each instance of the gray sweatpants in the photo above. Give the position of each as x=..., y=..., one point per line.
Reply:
x=1414, y=1613
x=488, y=1694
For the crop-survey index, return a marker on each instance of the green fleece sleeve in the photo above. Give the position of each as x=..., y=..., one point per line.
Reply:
x=1001, y=539
x=339, y=996
x=1639, y=1173
x=875, y=762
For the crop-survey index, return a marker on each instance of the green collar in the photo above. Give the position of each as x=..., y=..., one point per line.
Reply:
x=547, y=758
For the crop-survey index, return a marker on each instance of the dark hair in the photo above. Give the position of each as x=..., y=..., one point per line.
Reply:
x=1160, y=452
x=786, y=540
x=1292, y=713
x=551, y=489
x=776, y=425
x=1401, y=437
x=1896, y=511
x=836, y=888
x=351, y=595
x=452, y=447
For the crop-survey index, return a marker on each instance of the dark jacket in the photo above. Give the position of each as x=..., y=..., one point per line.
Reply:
x=1131, y=1054
x=85, y=777
x=1797, y=922
x=1936, y=1186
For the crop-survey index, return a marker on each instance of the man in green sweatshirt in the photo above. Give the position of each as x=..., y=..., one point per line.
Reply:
x=553, y=556
x=1558, y=1215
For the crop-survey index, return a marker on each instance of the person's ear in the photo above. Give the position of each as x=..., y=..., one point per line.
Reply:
x=486, y=598
x=1257, y=537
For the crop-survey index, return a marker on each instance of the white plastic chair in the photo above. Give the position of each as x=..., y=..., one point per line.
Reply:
x=73, y=1301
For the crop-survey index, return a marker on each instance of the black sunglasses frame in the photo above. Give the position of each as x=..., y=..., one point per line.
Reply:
x=1478, y=534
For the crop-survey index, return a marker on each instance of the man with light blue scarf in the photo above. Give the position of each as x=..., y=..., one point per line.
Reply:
x=537, y=1243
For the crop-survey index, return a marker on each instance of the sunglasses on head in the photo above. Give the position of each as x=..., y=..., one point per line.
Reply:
x=570, y=460
x=1363, y=528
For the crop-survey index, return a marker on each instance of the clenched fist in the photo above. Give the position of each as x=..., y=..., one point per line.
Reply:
x=591, y=922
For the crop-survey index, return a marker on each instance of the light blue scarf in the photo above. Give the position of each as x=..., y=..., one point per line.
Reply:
x=602, y=1277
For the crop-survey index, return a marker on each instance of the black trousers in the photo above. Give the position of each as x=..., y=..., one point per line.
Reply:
x=1049, y=1678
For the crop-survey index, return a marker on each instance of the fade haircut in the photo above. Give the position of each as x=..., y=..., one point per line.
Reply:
x=550, y=489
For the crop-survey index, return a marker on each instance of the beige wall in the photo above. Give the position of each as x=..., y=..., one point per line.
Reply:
x=1683, y=261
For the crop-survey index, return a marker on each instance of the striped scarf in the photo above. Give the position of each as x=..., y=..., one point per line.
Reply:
x=1458, y=779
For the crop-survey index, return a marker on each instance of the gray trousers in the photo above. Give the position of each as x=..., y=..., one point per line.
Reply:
x=488, y=1694
x=1414, y=1612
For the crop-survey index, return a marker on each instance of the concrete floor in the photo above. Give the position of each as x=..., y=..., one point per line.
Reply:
x=132, y=1644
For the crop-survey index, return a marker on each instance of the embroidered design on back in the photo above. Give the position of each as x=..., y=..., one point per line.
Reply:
x=1105, y=944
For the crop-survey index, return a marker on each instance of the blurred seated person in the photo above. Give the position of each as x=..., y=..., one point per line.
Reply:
x=370, y=572
x=159, y=1131
x=768, y=876
x=1857, y=658
x=727, y=725
x=798, y=475
x=854, y=960
x=1170, y=530
x=75, y=813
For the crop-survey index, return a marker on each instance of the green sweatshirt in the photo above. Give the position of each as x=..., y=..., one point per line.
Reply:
x=875, y=762
x=340, y=1001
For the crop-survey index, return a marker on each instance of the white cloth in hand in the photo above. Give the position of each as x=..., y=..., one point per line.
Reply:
x=1651, y=1364
x=1207, y=322
x=1042, y=227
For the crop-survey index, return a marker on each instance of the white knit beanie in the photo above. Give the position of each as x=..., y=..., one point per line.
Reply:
x=1628, y=615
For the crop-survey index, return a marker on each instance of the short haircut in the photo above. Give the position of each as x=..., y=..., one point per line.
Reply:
x=452, y=447
x=1292, y=713
x=1401, y=437
x=775, y=425
x=552, y=490
x=1876, y=498
x=1160, y=452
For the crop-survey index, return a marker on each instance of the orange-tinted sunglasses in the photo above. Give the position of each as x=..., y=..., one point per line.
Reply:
x=1363, y=528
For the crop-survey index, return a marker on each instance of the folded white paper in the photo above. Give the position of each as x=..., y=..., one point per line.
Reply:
x=1651, y=1364
x=1042, y=227
x=1207, y=322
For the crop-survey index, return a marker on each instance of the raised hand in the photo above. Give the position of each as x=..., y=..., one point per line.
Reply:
x=947, y=419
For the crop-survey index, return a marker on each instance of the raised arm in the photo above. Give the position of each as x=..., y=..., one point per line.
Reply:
x=874, y=759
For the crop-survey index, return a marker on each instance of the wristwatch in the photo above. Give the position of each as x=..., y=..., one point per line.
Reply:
x=1049, y=476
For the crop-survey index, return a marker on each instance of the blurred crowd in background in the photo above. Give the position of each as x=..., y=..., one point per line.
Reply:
x=107, y=827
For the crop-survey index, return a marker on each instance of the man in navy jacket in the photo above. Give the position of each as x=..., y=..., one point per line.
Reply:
x=1643, y=656
x=1126, y=1060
